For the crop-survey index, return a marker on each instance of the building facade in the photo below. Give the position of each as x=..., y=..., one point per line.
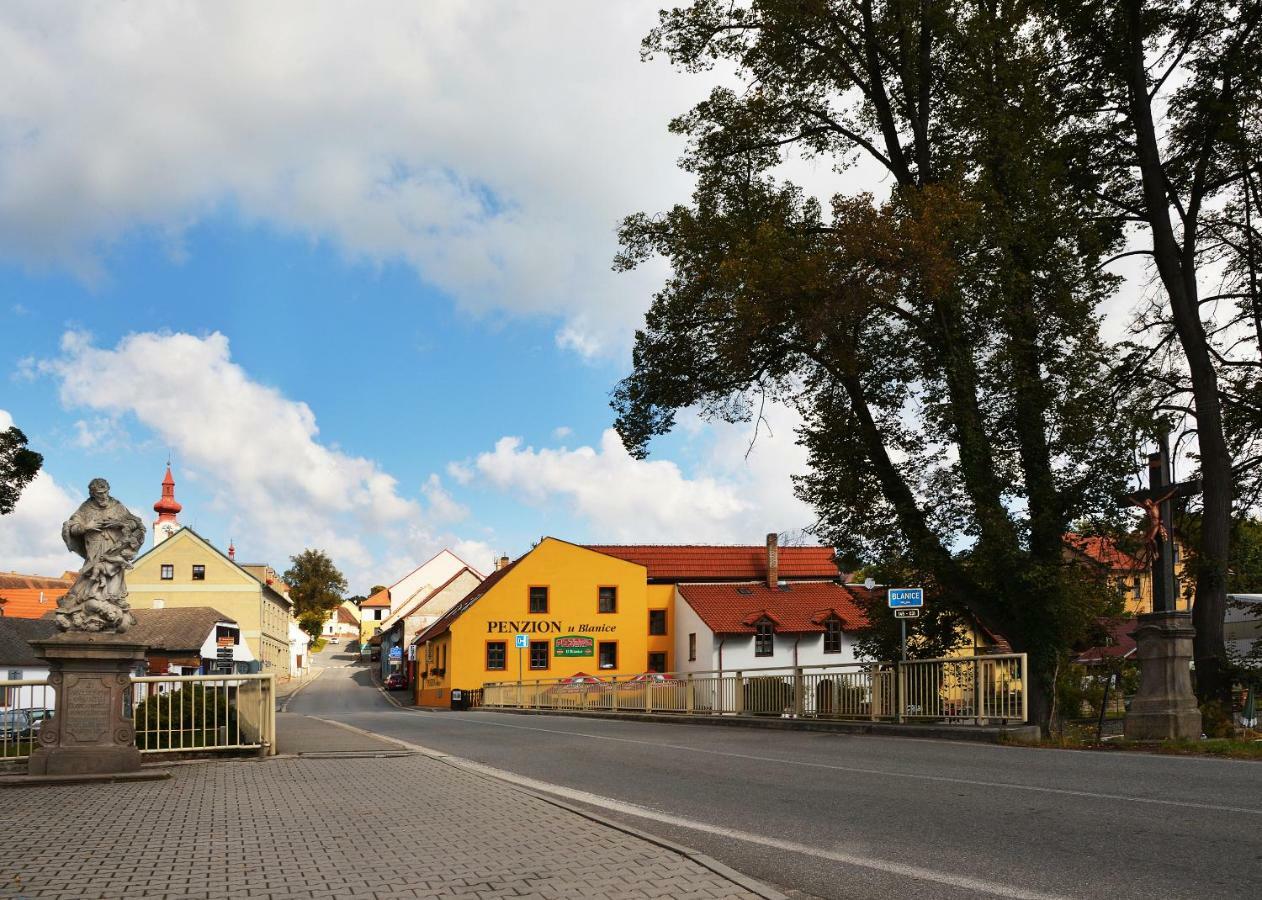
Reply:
x=186, y=570
x=412, y=617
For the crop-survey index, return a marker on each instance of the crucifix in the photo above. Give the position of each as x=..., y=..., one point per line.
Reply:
x=1158, y=526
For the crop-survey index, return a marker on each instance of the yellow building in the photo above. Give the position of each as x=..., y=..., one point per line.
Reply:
x=186, y=570
x=582, y=611
x=1131, y=575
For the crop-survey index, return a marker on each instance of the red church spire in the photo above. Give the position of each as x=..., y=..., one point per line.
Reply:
x=167, y=508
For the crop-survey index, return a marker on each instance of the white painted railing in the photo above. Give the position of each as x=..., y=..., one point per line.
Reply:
x=962, y=690
x=172, y=713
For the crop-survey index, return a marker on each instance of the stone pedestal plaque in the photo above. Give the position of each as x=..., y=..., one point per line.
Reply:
x=91, y=731
x=1165, y=707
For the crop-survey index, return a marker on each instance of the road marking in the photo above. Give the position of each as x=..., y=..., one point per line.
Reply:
x=858, y=770
x=963, y=882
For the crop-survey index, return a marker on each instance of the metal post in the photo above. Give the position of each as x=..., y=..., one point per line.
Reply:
x=903, y=627
x=978, y=711
x=900, y=692
x=739, y=699
x=688, y=698
x=798, y=684
x=648, y=695
x=613, y=692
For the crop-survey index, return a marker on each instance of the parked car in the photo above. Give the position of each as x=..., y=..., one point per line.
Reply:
x=15, y=724
x=394, y=682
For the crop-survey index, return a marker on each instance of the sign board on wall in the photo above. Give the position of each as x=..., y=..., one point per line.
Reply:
x=574, y=645
x=396, y=652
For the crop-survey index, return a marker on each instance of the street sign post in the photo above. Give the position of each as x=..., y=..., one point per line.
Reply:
x=906, y=603
x=521, y=642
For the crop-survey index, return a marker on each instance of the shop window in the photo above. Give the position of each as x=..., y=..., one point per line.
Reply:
x=764, y=639
x=199, y=573
x=609, y=654
x=168, y=572
x=832, y=636
x=657, y=621
x=657, y=662
x=692, y=647
x=607, y=600
x=538, y=599
x=496, y=656
x=538, y=654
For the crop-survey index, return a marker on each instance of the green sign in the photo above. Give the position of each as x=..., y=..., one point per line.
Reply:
x=574, y=645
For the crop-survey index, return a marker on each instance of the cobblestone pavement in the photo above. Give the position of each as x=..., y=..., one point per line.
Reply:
x=395, y=827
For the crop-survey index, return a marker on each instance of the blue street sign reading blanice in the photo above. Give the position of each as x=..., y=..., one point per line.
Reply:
x=522, y=641
x=906, y=598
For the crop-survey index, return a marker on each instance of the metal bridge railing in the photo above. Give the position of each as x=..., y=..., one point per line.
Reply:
x=171, y=713
x=960, y=690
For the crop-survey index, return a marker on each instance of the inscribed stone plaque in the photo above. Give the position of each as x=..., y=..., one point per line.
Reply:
x=87, y=709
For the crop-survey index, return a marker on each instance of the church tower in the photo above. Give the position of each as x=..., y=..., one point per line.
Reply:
x=167, y=509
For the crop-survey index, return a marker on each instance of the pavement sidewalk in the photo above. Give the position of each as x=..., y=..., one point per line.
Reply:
x=392, y=826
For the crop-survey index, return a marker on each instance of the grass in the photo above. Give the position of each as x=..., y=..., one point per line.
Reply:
x=1075, y=737
x=318, y=645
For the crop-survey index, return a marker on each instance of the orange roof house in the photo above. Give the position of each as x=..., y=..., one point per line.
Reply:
x=799, y=608
x=31, y=596
x=701, y=562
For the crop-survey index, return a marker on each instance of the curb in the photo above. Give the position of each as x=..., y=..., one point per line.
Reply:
x=1008, y=735
x=284, y=704
x=475, y=768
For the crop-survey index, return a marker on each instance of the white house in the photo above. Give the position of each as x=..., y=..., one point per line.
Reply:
x=1242, y=626
x=419, y=583
x=749, y=625
x=18, y=662
x=299, y=650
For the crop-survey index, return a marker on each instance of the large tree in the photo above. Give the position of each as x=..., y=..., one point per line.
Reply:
x=18, y=467
x=1177, y=85
x=316, y=588
x=940, y=342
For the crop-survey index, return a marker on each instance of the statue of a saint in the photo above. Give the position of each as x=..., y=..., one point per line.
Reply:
x=107, y=536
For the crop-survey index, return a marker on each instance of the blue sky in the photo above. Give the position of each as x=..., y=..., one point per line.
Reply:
x=353, y=274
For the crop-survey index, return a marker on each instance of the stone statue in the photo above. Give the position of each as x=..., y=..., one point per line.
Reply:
x=108, y=537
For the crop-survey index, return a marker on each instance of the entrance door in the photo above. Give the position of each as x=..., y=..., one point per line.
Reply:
x=657, y=662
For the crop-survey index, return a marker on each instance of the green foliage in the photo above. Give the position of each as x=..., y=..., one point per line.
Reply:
x=18, y=467
x=767, y=695
x=941, y=343
x=188, y=717
x=316, y=588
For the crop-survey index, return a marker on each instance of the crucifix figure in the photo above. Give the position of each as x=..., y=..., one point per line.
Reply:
x=1158, y=526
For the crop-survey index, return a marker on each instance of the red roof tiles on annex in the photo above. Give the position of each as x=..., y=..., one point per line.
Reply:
x=801, y=606
x=31, y=596
x=1105, y=551
x=381, y=598
x=726, y=563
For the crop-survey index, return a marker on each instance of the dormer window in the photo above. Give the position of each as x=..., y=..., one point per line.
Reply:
x=832, y=635
x=764, y=638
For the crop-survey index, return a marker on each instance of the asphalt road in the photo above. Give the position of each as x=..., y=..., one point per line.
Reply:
x=826, y=815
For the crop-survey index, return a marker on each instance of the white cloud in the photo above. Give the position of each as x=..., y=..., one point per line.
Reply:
x=6, y=420
x=493, y=147
x=256, y=451
x=30, y=536
x=625, y=499
x=460, y=473
x=561, y=432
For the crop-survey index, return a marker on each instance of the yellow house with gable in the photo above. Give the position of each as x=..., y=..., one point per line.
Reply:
x=582, y=611
x=186, y=570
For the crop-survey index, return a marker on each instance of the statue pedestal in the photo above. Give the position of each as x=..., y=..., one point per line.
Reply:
x=1165, y=707
x=91, y=731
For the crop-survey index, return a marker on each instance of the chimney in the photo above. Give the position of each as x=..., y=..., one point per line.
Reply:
x=232, y=551
x=773, y=561
x=501, y=563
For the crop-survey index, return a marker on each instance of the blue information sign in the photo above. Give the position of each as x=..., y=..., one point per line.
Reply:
x=522, y=641
x=396, y=652
x=906, y=598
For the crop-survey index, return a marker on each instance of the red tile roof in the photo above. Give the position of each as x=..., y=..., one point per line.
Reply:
x=1118, y=643
x=800, y=606
x=1105, y=551
x=381, y=598
x=30, y=596
x=722, y=563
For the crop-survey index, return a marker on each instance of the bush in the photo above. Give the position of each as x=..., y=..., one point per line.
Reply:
x=188, y=717
x=768, y=695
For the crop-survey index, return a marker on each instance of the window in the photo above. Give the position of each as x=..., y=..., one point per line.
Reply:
x=496, y=654
x=378, y=614
x=657, y=662
x=764, y=639
x=199, y=573
x=168, y=572
x=692, y=647
x=538, y=600
x=607, y=600
x=608, y=654
x=657, y=621
x=538, y=654
x=832, y=636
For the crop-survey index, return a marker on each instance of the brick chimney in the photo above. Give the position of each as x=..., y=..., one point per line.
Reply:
x=773, y=561
x=501, y=563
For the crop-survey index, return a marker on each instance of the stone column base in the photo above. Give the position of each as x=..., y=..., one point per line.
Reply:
x=91, y=731
x=1165, y=707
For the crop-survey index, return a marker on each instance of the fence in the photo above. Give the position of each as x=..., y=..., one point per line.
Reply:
x=171, y=713
x=965, y=690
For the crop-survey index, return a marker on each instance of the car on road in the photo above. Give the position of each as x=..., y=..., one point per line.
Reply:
x=394, y=681
x=15, y=724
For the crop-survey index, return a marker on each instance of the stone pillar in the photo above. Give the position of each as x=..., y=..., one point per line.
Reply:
x=1165, y=707
x=91, y=730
